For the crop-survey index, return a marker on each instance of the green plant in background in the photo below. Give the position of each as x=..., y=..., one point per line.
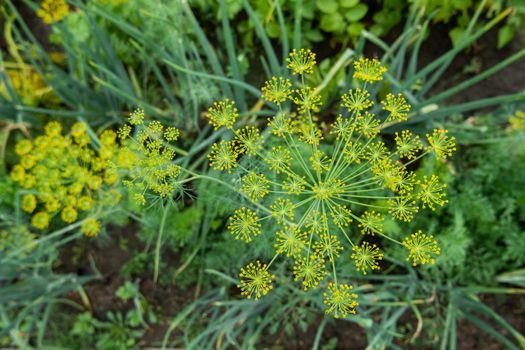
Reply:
x=117, y=330
x=340, y=20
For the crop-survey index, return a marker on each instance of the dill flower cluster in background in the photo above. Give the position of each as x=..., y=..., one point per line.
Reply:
x=146, y=157
x=66, y=178
x=51, y=11
x=322, y=202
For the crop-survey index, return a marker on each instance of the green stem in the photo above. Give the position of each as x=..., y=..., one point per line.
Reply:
x=159, y=241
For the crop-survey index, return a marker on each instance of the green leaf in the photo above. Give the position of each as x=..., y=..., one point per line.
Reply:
x=348, y=3
x=314, y=35
x=327, y=6
x=456, y=34
x=355, y=29
x=356, y=13
x=332, y=23
x=505, y=35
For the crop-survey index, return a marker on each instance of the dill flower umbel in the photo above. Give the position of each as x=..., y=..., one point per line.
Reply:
x=368, y=70
x=146, y=157
x=301, y=62
x=366, y=257
x=339, y=300
x=318, y=199
x=244, y=225
x=422, y=248
x=256, y=281
x=276, y=90
x=223, y=113
x=441, y=144
x=53, y=10
x=67, y=178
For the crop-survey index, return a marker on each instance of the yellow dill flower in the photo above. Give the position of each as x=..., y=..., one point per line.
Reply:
x=432, y=193
x=371, y=222
x=368, y=125
x=244, y=225
x=171, y=134
x=69, y=215
x=223, y=113
x=356, y=100
x=276, y=90
x=340, y=300
x=124, y=132
x=53, y=11
x=368, y=70
x=28, y=161
x=223, y=156
x=280, y=125
x=387, y=173
x=282, y=209
x=250, y=140
x=29, y=181
x=255, y=280
x=397, y=106
x=403, y=208
x=278, y=159
x=294, y=184
x=517, y=121
x=54, y=130
x=52, y=205
x=301, y=62
x=377, y=151
x=108, y=137
x=442, y=145
x=343, y=127
x=353, y=152
x=23, y=147
x=421, y=248
x=341, y=215
x=78, y=130
x=309, y=133
x=305, y=182
x=404, y=180
x=85, y=203
x=40, y=220
x=408, y=144
x=366, y=257
x=290, y=241
x=28, y=203
x=255, y=186
x=306, y=100
x=90, y=227
x=155, y=128
x=136, y=117
x=328, y=245
x=309, y=270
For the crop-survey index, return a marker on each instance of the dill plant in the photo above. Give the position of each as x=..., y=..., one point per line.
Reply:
x=66, y=177
x=323, y=202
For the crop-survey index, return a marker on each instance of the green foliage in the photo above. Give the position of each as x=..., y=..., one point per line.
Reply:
x=481, y=230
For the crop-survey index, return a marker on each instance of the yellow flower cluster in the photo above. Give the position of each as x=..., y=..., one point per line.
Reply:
x=146, y=156
x=65, y=176
x=321, y=196
x=28, y=86
x=53, y=10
